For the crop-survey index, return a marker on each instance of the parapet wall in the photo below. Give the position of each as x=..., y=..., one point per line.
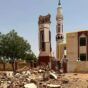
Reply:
x=77, y=66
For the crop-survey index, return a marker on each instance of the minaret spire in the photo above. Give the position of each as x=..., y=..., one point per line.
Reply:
x=59, y=31
x=59, y=2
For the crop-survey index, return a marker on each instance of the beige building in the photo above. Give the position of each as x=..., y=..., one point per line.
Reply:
x=72, y=45
x=77, y=46
x=77, y=51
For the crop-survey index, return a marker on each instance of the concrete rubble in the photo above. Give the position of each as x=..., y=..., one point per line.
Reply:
x=30, y=85
x=42, y=78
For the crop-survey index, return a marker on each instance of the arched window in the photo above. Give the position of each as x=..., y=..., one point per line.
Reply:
x=58, y=29
x=83, y=41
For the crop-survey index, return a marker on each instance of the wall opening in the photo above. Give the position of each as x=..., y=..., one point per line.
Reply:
x=83, y=41
x=83, y=57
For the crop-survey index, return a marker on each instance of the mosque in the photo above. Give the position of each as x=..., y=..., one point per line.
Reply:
x=75, y=49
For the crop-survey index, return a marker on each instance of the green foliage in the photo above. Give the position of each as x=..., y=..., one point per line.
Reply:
x=30, y=57
x=15, y=47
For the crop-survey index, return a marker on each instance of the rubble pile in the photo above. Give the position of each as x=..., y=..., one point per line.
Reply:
x=42, y=78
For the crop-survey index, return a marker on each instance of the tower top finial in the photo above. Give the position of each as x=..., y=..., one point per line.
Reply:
x=59, y=2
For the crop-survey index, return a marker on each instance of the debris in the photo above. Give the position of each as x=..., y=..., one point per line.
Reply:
x=65, y=81
x=30, y=85
x=40, y=71
x=53, y=75
x=53, y=86
x=75, y=74
x=42, y=78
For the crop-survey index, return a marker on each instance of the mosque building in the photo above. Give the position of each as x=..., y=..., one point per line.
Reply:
x=75, y=49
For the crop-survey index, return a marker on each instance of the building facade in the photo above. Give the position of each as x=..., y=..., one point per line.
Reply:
x=44, y=39
x=77, y=46
x=72, y=55
x=59, y=30
x=72, y=46
x=83, y=45
x=77, y=51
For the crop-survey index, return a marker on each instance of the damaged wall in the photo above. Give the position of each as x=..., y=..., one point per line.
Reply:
x=77, y=66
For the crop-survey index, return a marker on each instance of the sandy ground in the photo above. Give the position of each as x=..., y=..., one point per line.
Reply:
x=75, y=80
x=83, y=76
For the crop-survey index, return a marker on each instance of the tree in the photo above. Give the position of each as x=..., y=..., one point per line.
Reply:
x=29, y=57
x=14, y=47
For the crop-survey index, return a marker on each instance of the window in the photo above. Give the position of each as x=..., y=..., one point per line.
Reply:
x=42, y=36
x=49, y=36
x=83, y=57
x=83, y=41
x=58, y=28
x=65, y=48
x=43, y=46
x=57, y=37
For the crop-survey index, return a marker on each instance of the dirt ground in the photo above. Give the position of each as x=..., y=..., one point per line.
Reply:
x=75, y=80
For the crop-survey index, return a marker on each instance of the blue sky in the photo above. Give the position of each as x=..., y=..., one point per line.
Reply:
x=22, y=15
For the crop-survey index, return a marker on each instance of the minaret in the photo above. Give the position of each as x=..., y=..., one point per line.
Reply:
x=44, y=39
x=59, y=29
